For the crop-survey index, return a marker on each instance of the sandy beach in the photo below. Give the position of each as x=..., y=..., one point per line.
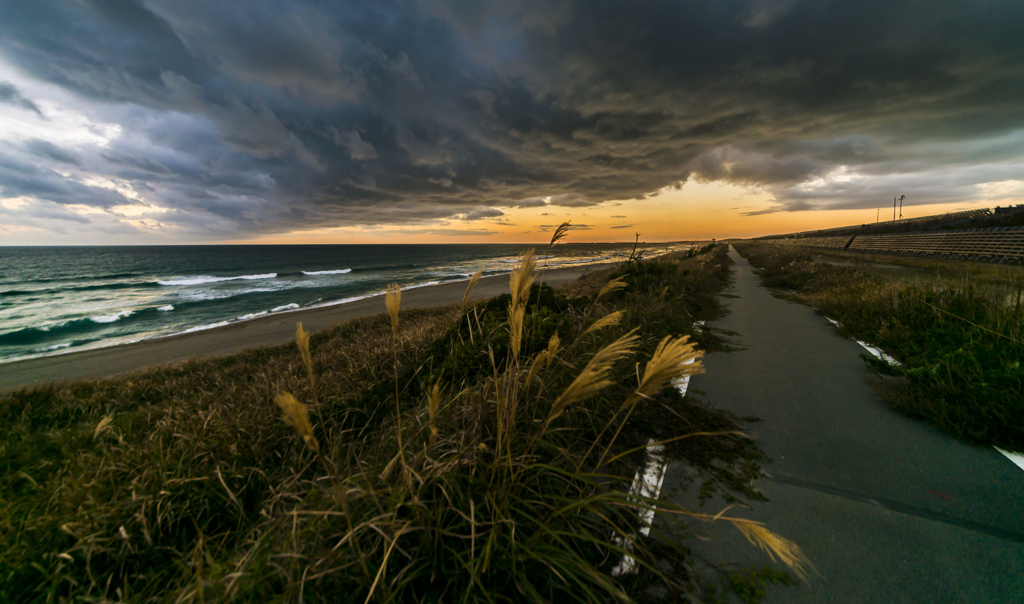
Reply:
x=264, y=331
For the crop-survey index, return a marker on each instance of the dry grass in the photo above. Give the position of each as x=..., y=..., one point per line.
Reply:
x=444, y=456
x=153, y=451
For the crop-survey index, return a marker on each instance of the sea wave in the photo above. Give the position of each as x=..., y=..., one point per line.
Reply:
x=450, y=277
x=108, y=276
x=203, y=279
x=209, y=295
x=245, y=317
x=345, y=300
x=165, y=308
x=337, y=272
x=111, y=318
x=80, y=288
x=586, y=261
x=517, y=260
x=28, y=336
x=419, y=285
x=204, y=327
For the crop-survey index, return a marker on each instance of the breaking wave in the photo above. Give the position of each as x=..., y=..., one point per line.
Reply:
x=203, y=279
x=54, y=331
x=337, y=272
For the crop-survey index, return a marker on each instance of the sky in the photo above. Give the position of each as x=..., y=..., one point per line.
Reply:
x=300, y=121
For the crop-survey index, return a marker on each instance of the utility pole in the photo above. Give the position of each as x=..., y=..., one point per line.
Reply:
x=902, y=197
x=876, y=215
x=894, y=209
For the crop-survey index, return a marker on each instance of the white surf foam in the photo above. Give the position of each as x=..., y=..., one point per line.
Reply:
x=203, y=279
x=418, y=285
x=337, y=272
x=111, y=318
x=204, y=327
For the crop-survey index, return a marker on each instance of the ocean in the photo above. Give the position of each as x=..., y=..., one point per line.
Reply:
x=55, y=300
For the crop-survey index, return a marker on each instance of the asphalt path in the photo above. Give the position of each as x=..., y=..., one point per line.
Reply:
x=887, y=508
x=264, y=331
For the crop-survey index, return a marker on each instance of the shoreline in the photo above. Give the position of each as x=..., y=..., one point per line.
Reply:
x=269, y=330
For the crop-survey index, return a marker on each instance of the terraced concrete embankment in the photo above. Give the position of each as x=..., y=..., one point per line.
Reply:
x=996, y=244
x=887, y=508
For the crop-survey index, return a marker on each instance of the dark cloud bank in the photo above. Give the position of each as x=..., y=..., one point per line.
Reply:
x=257, y=116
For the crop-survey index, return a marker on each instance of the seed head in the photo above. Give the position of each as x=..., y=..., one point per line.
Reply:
x=521, y=279
x=295, y=415
x=302, y=340
x=469, y=288
x=672, y=359
x=611, y=286
x=393, y=300
x=560, y=233
x=605, y=321
x=594, y=376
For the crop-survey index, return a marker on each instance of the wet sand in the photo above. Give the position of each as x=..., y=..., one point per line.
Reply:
x=264, y=331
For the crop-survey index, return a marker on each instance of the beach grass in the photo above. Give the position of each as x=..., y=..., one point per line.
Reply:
x=958, y=335
x=472, y=452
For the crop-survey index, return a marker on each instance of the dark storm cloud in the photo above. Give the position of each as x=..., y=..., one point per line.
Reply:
x=275, y=115
x=9, y=95
x=24, y=179
x=49, y=150
x=482, y=213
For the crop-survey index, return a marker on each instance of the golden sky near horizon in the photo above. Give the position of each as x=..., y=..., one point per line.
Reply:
x=697, y=211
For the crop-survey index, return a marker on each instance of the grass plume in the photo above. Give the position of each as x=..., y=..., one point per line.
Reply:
x=469, y=287
x=393, y=302
x=519, y=285
x=788, y=552
x=594, y=376
x=104, y=425
x=561, y=232
x=296, y=416
x=674, y=358
x=302, y=341
x=611, y=287
x=608, y=320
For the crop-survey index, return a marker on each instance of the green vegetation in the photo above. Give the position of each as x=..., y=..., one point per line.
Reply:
x=959, y=338
x=465, y=453
x=749, y=586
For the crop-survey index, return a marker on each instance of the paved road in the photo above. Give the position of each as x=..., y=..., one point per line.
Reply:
x=265, y=331
x=887, y=508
